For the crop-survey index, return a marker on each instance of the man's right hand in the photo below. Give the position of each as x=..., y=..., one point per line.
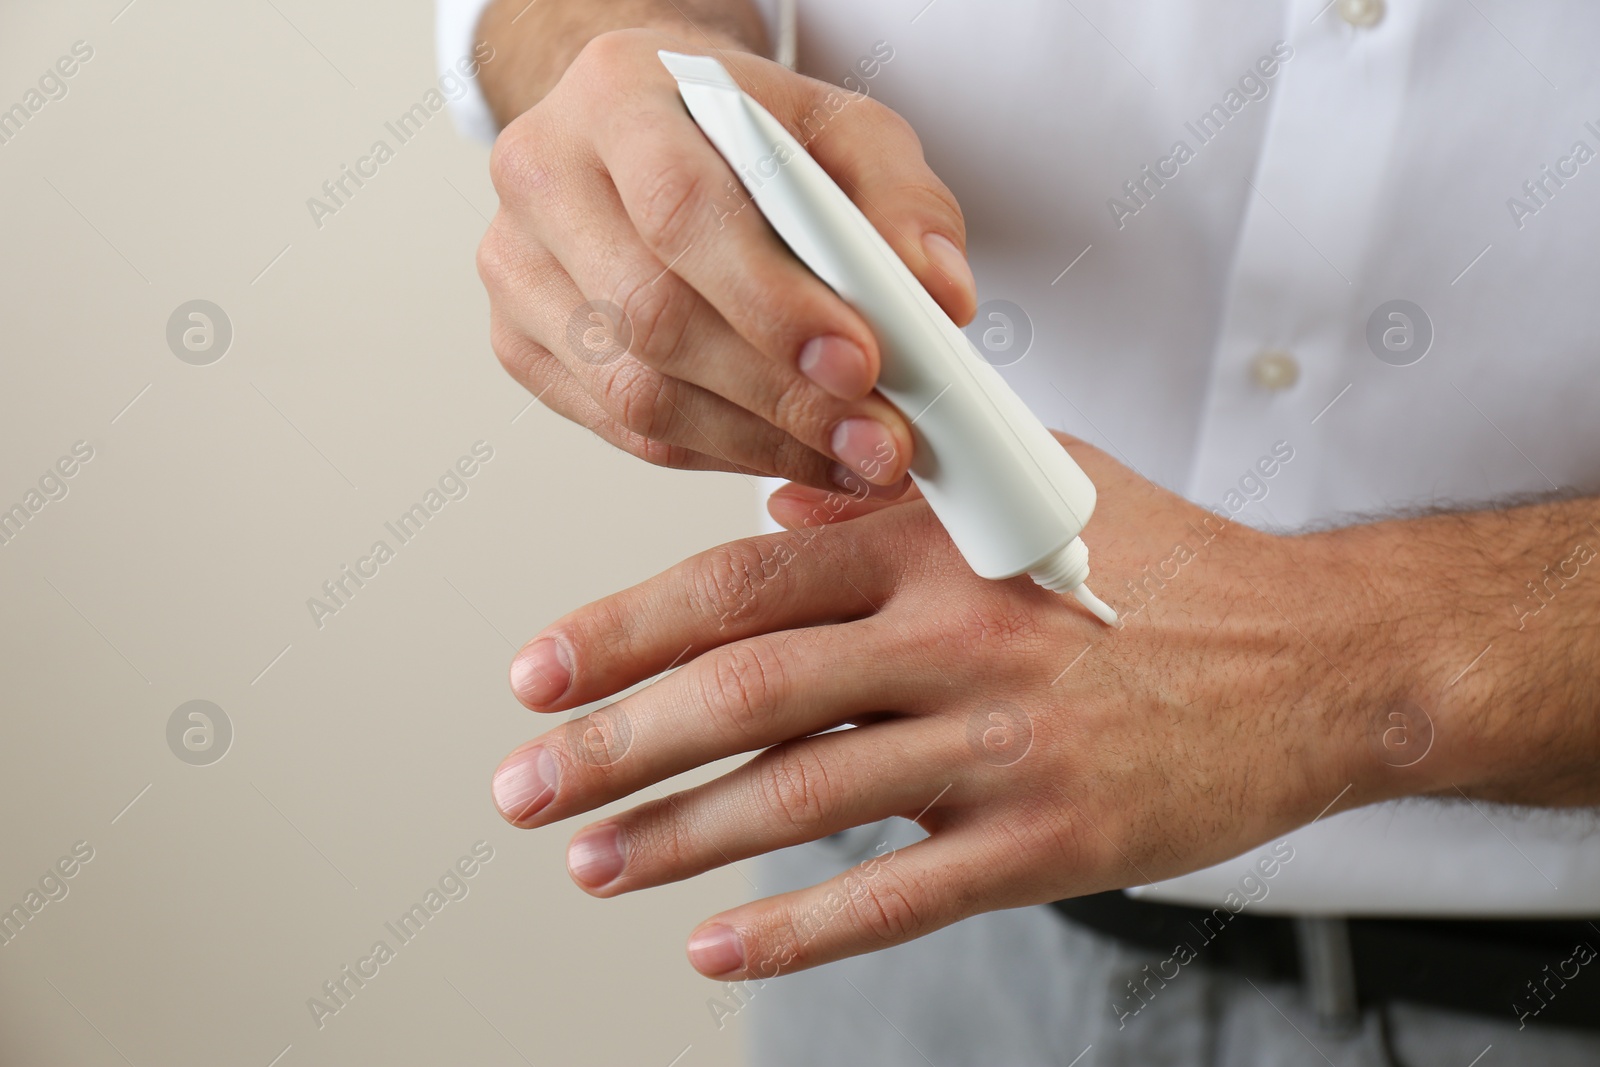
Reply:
x=636, y=290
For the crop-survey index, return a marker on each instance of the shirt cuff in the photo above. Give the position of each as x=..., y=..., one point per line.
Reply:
x=457, y=49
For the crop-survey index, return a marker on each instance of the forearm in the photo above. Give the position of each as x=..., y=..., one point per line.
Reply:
x=536, y=41
x=1489, y=621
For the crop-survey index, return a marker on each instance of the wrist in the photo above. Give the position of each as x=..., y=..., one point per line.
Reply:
x=1379, y=644
x=538, y=42
x=1412, y=650
x=718, y=37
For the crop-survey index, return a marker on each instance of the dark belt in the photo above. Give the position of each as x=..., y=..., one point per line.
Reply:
x=1542, y=971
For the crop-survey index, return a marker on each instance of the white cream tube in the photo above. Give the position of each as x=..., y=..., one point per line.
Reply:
x=1009, y=495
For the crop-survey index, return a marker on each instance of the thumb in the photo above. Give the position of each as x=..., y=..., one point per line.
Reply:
x=876, y=158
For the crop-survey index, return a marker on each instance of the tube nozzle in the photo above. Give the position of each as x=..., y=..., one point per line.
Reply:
x=1065, y=571
x=1100, y=608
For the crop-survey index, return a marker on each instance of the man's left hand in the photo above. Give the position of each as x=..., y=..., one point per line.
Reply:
x=1045, y=754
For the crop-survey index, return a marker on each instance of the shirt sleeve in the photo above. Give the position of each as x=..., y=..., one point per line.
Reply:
x=455, y=25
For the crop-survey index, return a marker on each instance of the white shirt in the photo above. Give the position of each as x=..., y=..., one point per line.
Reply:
x=1218, y=313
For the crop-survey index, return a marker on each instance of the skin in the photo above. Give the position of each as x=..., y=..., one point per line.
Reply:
x=1047, y=755
x=738, y=358
x=1256, y=681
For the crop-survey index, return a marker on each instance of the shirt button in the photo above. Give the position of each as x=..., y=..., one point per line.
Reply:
x=1362, y=13
x=1275, y=370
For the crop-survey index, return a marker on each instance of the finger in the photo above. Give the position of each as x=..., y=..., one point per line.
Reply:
x=543, y=375
x=736, y=698
x=539, y=303
x=796, y=507
x=690, y=212
x=674, y=287
x=891, y=899
x=876, y=157
x=796, y=792
x=727, y=593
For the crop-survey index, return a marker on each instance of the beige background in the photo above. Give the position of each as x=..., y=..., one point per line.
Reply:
x=179, y=565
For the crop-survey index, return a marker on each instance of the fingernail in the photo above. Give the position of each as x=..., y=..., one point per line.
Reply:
x=836, y=364
x=855, y=486
x=948, y=260
x=867, y=448
x=716, y=950
x=541, y=672
x=596, y=857
x=525, y=784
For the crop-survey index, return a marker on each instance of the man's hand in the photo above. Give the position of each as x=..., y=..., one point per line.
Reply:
x=1255, y=682
x=1046, y=754
x=636, y=290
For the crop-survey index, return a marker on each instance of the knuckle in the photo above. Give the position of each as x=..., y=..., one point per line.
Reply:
x=741, y=686
x=598, y=741
x=522, y=357
x=636, y=396
x=795, y=408
x=608, y=629
x=795, y=786
x=662, y=843
x=889, y=122
x=728, y=576
x=657, y=313
x=668, y=206
x=798, y=461
x=513, y=262
x=604, y=59
x=492, y=259
x=889, y=125
x=656, y=453
x=911, y=184
x=928, y=197
x=516, y=162
x=884, y=908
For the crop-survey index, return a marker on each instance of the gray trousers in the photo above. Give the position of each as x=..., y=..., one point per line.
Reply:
x=1024, y=987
